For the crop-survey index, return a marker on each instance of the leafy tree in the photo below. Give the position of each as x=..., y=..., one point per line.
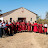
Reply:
x=0, y=12
x=47, y=15
x=38, y=17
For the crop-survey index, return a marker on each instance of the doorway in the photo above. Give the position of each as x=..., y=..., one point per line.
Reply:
x=21, y=19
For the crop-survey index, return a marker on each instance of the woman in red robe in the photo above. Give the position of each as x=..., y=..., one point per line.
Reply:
x=29, y=26
x=35, y=27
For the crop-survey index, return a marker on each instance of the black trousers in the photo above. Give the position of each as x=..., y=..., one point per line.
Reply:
x=1, y=32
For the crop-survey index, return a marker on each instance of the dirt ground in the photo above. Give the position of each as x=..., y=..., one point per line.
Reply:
x=25, y=40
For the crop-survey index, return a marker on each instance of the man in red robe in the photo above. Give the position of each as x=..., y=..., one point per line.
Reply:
x=35, y=27
x=29, y=26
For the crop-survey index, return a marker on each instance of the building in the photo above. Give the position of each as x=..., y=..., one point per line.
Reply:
x=19, y=14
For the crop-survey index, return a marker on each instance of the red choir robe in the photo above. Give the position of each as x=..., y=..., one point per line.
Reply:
x=23, y=26
x=14, y=27
x=11, y=28
x=35, y=27
x=29, y=26
x=45, y=29
x=32, y=26
x=40, y=28
x=6, y=29
x=19, y=26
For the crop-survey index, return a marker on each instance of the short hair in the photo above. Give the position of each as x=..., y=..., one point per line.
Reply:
x=35, y=21
x=0, y=20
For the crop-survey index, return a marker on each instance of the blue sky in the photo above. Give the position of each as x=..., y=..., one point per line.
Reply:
x=39, y=7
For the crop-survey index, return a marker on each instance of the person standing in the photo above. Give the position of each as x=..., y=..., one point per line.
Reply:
x=11, y=27
x=35, y=27
x=14, y=27
x=32, y=26
x=23, y=26
x=29, y=26
x=1, y=31
x=40, y=28
x=45, y=28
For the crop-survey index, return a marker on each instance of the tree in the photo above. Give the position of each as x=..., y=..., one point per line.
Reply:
x=47, y=15
x=0, y=12
x=38, y=17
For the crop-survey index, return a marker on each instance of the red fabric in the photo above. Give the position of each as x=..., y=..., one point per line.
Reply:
x=12, y=26
x=35, y=27
x=6, y=28
x=40, y=28
x=7, y=25
x=29, y=26
x=19, y=27
x=45, y=29
x=23, y=26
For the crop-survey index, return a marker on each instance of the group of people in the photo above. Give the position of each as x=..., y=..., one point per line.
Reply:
x=10, y=28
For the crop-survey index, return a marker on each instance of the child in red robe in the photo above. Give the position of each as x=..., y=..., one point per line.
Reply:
x=35, y=27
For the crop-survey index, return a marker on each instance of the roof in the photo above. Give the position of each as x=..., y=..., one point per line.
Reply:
x=15, y=10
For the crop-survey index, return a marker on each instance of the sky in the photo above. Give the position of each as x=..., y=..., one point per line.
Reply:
x=39, y=7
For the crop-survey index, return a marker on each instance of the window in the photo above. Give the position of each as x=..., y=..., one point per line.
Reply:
x=31, y=19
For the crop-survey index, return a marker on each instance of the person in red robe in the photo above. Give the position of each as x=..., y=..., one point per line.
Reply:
x=23, y=26
x=29, y=26
x=45, y=28
x=11, y=27
x=32, y=26
x=18, y=26
x=6, y=28
x=40, y=30
x=35, y=27
x=14, y=27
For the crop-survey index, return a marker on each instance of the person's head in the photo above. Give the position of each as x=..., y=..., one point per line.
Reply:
x=28, y=21
x=13, y=21
x=35, y=21
x=10, y=19
x=23, y=21
x=0, y=21
x=3, y=21
x=41, y=23
x=6, y=21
